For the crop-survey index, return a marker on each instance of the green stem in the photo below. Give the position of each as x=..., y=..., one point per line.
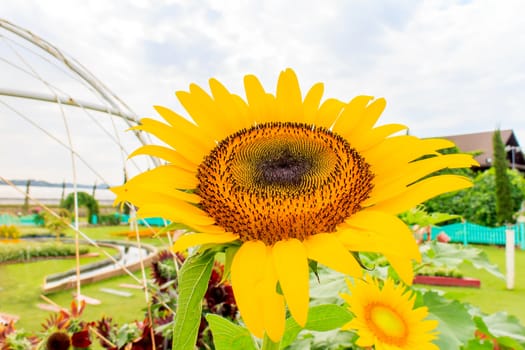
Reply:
x=269, y=344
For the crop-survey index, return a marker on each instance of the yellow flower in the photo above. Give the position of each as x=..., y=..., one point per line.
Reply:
x=386, y=318
x=290, y=179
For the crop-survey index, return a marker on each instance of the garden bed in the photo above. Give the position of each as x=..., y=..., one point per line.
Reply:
x=447, y=281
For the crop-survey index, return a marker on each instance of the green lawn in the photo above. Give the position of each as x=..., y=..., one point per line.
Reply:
x=20, y=287
x=493, y=295
x=113, y=233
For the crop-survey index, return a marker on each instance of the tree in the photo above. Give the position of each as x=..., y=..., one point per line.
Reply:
x=478, y=203
x=25, y=207
x=504, y=210
x=57, y=224
x=452, y=202
x=84, y=199
x=126, y=207
x=94, y=189
x=63, y=195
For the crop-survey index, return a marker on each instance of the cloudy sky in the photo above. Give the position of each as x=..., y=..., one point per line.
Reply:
x=445, y=67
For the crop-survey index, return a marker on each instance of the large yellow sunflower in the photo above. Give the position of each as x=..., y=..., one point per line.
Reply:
x=290, y=179
x=385, y=317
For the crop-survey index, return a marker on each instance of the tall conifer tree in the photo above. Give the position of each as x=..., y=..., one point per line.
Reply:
x=503, y=188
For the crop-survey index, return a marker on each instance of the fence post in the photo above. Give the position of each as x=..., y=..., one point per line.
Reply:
x=509, y=256
x=465, y=241
x=522, y=235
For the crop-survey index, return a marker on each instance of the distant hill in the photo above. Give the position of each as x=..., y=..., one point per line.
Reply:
x=41, y=183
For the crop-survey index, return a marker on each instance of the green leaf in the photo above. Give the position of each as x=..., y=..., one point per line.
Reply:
x=331, y=340
x=229, y=336
x=325, y=288
x=479, y=344
x=449, y=255
x=321, y=318
x=506, y=329
x=171, y=227
x=481, y=261
x=313, y=265
x=193, y=283
x=228, y=259
x=456, y=326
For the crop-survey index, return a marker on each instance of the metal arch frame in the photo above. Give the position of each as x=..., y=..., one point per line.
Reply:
x=69, y=101
x=113, y=100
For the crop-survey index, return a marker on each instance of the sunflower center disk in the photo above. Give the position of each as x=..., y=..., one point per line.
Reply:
x=387, y=325
x=285, y=168
x=277, y=181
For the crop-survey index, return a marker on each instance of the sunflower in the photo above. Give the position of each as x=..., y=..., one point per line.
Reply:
x=288, y=179
x=385, y=317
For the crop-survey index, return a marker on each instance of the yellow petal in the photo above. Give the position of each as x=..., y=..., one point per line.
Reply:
x=274, y=316
x=193, y=239
x=328, y=112
x=141, y=196
x=247, y=270
x=374, y=136
x=273, y=303
x=202, y=109
x=361, y=240
x=257, y=99
x=398, y=247
x=311, y=102
x=229, y=108
x=167, y=154
x=383, y=224
x=422, y=191
x=403, y=266
x=208, y=228
x=243, y=109
x=288, y=97
x=184, y=144
x=182, y=125
x=351, y=115
x=370, y=117
x=326, y=249
x=291, y=264
x=382, y=192
x=180, y=212
x=393, y=152
x=165, y=176
x=414, y=171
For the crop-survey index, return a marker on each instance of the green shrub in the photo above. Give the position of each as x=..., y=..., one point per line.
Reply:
x=109, y=220
x=9, y=232
x=33, y=250
x=478, y=203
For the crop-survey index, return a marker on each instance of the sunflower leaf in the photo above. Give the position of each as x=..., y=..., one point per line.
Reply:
x=171, y=227
x=506, y=329
x=228, y=259
x=479, y=344
x=193, y=283
x=321, y=318
x=229, y=336
x=314, y=268
x=456, y=326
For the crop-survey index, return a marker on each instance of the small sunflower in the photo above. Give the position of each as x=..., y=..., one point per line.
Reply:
x=385, y=317
x=290, y=179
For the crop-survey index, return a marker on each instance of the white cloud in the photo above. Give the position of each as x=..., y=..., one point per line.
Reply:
x=445, y=67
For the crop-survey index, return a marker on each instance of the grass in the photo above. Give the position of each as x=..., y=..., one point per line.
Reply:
x=20, y=287
x=114, y=233
x=493, y=295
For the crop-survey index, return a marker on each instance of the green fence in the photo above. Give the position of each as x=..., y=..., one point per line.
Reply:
x=467, y=232
x=24, y=220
